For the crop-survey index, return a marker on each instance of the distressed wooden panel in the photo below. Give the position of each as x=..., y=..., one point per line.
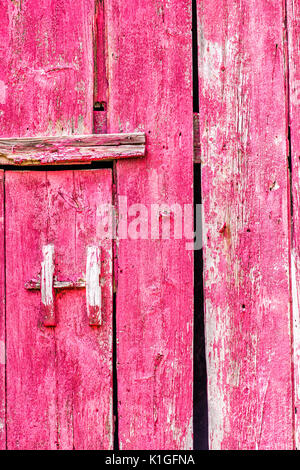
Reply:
x=246, y=242
x=46, y=75
x=2, y=319
x=59, y=380
x=293, y=35
x=71, y=149
x=150, y=90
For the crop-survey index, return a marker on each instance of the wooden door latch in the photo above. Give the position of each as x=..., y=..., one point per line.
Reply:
x=48, y=284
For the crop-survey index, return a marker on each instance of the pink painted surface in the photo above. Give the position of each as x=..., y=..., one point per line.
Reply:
x=246, y=205
x=46, y=76
x=59, y=380
x=2, y=318
x=150, y=89
x=293, y=34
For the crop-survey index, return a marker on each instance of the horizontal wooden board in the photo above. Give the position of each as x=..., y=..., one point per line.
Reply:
x=66, y=149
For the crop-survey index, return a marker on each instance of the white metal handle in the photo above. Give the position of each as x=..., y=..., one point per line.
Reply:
x=93, y=288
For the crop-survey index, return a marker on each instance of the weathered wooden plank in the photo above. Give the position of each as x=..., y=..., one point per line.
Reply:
x=47, y=292
x=83, y=352
x=150, y=90
x=59, y=380
x=66, y=149
x=36, y=284
x=293, y=35
x=2, y=319
x=46, y=88
x=31, y=377
x=246, y=243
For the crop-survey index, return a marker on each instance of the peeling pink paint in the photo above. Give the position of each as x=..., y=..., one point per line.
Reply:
x=3, y=88
x=150, y=47
x=59, y=379
x=293, y=34
x=246, y=212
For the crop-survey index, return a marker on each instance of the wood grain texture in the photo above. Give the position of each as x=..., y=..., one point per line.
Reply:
x=47, y=291
x=150, y=90
x=59, y=380
x=70, y=149
x=2, y=319
x=293, y=35
x=246, y=214
x=47, y=88
x=93, y=286
x=46, y=76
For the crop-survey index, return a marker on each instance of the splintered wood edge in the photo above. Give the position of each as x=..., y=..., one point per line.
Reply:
x=71, y=149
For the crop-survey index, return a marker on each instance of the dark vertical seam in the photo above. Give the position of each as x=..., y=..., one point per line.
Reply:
x=200, y=402
x=116, y=444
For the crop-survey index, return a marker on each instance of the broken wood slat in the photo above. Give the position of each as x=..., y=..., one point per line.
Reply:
x=245, y=191
x=66, y=149
x=293, y=35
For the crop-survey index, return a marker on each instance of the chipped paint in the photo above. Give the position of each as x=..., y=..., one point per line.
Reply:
x=93, y=287
x=2, y=352
x=246, y=214
x=3, y=91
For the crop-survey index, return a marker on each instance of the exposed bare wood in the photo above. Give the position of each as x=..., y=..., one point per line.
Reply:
x=66, y=149
x=59, y=285
x=47, y=285
x=93, y=288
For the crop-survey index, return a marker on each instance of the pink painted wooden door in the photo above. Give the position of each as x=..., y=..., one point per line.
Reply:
x=59, y=59
x=58, y=378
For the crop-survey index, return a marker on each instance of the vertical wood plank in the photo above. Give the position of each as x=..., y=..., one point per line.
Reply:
x=2, y=318
x=94, y=403
x=293, y=36
x=83, y=352
x=31, y=378
x=246, y=205
x=150, y=89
